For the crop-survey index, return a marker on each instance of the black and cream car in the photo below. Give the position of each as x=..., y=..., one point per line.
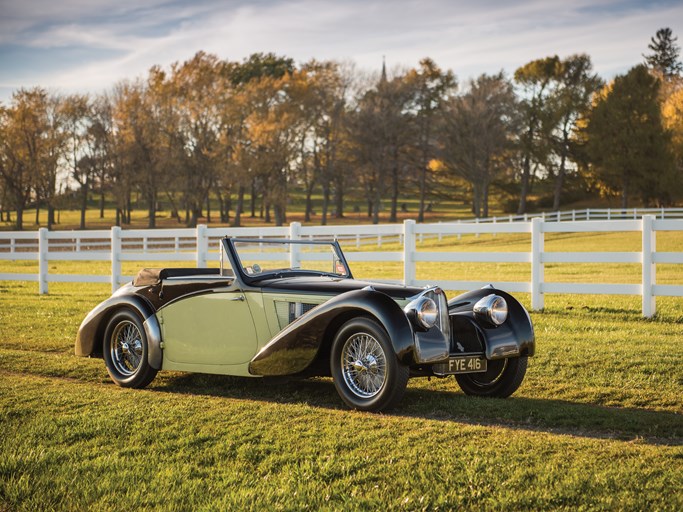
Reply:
x=291, y=307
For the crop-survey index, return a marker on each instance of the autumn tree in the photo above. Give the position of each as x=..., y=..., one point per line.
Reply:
x=479, y=131
x=28, y=152
x=626, y=141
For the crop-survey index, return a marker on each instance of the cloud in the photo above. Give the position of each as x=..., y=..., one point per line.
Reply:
x=91, y=44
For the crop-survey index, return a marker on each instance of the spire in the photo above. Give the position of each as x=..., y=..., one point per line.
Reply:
x=383, y=78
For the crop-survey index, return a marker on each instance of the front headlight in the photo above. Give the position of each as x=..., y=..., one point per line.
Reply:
x=424, y=312
x=492, y=308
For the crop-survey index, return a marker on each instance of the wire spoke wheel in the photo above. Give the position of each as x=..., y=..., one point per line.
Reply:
x=126, y=348
x=364, y=365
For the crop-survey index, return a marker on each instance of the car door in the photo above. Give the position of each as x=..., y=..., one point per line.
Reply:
x=214, y=328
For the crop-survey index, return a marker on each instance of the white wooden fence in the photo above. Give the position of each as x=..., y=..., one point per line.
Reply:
x=201, y=245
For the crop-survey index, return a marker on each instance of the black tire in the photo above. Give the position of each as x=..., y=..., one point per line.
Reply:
x=501, y=379
x=125, y=351
x=366, y=372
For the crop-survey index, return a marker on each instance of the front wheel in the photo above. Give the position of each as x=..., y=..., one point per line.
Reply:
x=366, y=372
x=501, y=379
x=125, y=351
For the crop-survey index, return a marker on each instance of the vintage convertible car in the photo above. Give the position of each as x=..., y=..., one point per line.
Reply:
x=291, y=307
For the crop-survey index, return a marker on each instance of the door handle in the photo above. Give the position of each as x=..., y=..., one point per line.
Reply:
x=239, y=297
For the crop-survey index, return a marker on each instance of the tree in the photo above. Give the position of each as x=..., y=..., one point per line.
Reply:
x=380, y=132
x=432, y=87
x=535, y=79
x=27, y=148
x=672, y=111
x=479, y=134
x=626, y=141
x=665, y=53
x=576, y=84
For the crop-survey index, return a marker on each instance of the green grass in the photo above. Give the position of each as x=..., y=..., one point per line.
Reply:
x=597, y=423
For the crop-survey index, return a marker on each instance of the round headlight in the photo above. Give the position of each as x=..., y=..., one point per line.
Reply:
x=492, y=308
x=499, y=311
x=427, y=312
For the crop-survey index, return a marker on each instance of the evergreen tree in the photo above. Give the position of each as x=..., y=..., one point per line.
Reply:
x=626, y=142
x=665, y=53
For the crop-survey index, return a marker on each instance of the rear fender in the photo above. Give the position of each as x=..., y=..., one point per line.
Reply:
x=514, y=338
x=296, y=346
x=91, y=332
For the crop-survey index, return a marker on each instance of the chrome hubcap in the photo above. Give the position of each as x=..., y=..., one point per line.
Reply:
x=364, y=365
x=126, y=348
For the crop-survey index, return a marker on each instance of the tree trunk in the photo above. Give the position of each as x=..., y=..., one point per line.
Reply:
x=339, y=196
x=152, y=209
x=253, y=198
x=20, y=217
x=393, y=217
x=375, y=207
x=84, y=204
x=129, y=207
x=240, y=204
x=208, y=208
x=50, y=216
x=309, y=203
x=559, y=181
x=526, y=168
x=101, y=204
x=326, y=203
x=37, y=213
x=485, y=200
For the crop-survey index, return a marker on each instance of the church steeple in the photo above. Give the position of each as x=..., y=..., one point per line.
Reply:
x=383, y=78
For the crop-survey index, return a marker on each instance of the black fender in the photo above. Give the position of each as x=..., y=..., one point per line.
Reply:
x=297, y=345
x=515, y=337
x=91, y=332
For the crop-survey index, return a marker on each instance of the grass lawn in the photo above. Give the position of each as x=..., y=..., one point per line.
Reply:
x=597, y=423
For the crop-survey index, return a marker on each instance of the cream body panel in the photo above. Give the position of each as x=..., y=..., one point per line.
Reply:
x=212, y=329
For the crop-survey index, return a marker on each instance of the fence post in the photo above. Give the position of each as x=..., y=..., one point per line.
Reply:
x=115, y=257
x=42, y=260
x=408, y=251
x=202, y=246
x=649, y=267
x=537, y=299
x=294, y=234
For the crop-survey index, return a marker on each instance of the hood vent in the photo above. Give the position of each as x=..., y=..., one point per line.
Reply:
x=287, y=312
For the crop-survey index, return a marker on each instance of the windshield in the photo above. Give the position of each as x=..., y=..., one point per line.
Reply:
x=266, y=258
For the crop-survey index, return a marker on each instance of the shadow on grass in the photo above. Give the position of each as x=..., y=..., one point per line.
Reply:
x=532, y=414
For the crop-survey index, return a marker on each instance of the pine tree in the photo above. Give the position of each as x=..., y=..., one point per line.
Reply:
x=665, y=53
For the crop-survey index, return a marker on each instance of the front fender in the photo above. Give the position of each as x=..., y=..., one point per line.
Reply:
x=91, y=332
x=296, y=346
x=514, y=338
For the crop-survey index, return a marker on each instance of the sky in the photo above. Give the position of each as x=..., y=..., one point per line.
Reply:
x=88, y=45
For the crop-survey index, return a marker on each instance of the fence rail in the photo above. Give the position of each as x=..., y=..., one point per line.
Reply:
x=201, y=246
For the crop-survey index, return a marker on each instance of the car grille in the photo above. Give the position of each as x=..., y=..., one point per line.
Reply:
x=287, y=312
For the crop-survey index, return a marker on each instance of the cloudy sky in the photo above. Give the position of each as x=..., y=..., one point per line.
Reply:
x=87, y=45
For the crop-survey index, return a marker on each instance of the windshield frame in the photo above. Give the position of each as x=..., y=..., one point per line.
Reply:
x=238, y=269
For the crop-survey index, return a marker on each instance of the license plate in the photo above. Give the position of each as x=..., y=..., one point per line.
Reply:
x=461, y=364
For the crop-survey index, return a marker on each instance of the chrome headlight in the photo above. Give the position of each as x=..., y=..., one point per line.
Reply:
x=491, y=308
x=424, y=312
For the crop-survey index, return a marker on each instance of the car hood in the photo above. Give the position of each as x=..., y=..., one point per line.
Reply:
x=334, y=286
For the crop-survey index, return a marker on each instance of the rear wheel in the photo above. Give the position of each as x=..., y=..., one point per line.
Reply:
x=366, y=372
x=125, y=351
x=501, y=379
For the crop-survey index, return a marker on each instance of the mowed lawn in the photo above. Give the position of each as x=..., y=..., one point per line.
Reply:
x=597, y=423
